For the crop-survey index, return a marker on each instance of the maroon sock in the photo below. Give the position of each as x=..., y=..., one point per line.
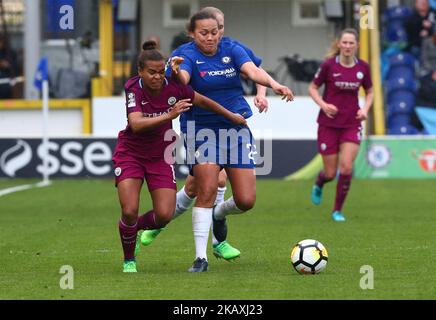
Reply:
x=128, y=239
x=148, y=221
x=321, y=180
x=342, y=189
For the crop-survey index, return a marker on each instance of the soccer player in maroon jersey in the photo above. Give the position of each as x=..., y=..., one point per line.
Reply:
x=142, y=152
x=339, y=130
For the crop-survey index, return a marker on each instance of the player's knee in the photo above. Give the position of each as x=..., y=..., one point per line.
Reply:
x=207, y=194
x=329, y=174
x=164, y=217
x=245, y=203
x=346, y=169
x=130, y=215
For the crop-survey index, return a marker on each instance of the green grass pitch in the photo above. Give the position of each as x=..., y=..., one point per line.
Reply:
x=390, y=226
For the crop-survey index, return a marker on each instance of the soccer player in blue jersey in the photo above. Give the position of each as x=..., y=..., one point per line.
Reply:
x=213, y=68
x=186, y=195
x=152, y=102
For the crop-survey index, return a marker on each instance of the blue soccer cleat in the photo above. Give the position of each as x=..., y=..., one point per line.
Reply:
x=199, y=265
x=338, y=216
x=316, y=195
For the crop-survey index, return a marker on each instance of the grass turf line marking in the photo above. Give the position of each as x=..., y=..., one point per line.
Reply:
x=40, y=184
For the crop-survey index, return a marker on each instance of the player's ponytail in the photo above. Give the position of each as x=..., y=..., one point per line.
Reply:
x=333, y=49
x=149, y=52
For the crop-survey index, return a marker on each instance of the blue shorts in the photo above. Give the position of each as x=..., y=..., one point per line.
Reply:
x=229, y=148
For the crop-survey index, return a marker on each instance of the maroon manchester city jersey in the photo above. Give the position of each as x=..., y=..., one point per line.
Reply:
x=342, y=90
x=150, y=144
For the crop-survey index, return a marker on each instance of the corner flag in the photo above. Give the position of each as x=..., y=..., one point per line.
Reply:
x=41, y=82
x=41, y=73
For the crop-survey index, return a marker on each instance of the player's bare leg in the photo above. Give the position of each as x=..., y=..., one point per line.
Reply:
x=155, y=220
x=326, y=175
x=185, y=197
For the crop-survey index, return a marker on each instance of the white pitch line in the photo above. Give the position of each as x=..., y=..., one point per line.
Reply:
x=40, y=184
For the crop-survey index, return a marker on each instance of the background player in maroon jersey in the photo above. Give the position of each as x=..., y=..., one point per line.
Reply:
x=339, y=131
x=152, y=102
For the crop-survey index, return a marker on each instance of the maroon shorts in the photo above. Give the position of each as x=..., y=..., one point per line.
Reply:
x=156, y=172
x=330, y=138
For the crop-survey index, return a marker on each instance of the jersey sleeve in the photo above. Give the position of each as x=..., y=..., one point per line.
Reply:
x=240, y=56
x=256, y=60
x=186, y=64
x=168, y=67
x=367, y=81
x=186, y=92
x=321, y=75
x=133, y=101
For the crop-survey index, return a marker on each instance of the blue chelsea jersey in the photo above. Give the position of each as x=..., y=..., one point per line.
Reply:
x=218, y=78
x=256, y=60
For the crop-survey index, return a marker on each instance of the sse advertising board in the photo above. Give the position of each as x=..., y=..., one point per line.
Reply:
x=22, y=158
x=66, y=157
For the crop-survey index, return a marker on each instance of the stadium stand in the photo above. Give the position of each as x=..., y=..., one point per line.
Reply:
x=400, y=73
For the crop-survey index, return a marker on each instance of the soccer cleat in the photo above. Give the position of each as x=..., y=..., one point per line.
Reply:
x=138, y=243
x=338, y=216
x=129, y=266
x=148, y=236
x=199, y=265
x=225, y=251
x=219, y=228
x=316, y=195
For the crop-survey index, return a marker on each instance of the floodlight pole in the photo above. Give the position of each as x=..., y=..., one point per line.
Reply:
x=32, y=40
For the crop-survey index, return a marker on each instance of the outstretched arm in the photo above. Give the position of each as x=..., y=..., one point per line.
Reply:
x=182, y=75
x=260, y=100
x=261, y=77
x=210, y=105
x=141, y=124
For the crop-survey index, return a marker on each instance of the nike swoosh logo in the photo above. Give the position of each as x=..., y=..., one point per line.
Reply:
x=144, y=102
x=336, y=74
x=199, y=62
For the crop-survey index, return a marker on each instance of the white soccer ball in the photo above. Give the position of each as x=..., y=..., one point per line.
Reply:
x=309, y=256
